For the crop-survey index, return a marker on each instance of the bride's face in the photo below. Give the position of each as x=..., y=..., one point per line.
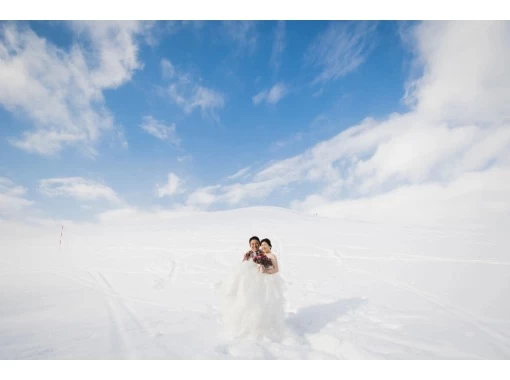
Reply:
x=265, y=247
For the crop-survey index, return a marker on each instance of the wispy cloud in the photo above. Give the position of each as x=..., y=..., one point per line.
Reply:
x=159, y=130
x=243, y=34
x=320, y=121
x=155, y=32
x=167, y=69
x=318, y=93
x=77, y=187
x=239, y=174
x=187, y=93
x=185, y=158
x=433, y=165
x=291, y=140
x=271, y=96
x=203, y=197
x=232, y=195
x=203, y=98
x=12, y=197
x=278, y=46
x=171, y=187
x=340, y=49
x=61, y=92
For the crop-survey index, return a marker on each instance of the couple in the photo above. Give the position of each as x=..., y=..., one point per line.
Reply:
x=253, y=295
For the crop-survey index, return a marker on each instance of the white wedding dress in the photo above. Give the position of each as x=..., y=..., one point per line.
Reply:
x=253, y=303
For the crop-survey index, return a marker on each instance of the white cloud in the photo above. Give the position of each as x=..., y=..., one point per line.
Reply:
x=78, y=188
x=278, y=45
x=155, y=32
x=203, y=197
x=432, y=165
x=237, y=193
x=119, y=215
x=234, y=194
x=477, y=199
x=318, y=93
x=276, y=93
x=12, y=197
x=291, y=140
x=61, y=91
x=195, y=97
x=182, y=159
x=243, y=34
x=272, y=96
x=259, y=98
x=10, y=188
x=159, y=130
x=320, y=121
x=171, y=187
x=133, y=215
x=167, y=68
x=461, y=83
x=239, y=174
x=187, y=93
x=340, y=49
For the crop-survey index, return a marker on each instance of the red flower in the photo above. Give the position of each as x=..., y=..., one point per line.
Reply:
x=263, y=260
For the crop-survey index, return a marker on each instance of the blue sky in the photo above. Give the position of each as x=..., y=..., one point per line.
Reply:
x=99, y=116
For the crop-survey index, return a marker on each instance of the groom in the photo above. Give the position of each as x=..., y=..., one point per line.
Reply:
x=254, y=245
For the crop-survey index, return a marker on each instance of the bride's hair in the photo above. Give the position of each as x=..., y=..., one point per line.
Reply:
x=267, y=241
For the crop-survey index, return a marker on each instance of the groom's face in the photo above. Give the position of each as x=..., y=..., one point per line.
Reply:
x=254, y=245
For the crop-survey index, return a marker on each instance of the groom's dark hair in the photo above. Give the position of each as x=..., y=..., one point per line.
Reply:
x=254, y=238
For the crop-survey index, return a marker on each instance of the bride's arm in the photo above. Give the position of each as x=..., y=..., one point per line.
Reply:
x=274, y=269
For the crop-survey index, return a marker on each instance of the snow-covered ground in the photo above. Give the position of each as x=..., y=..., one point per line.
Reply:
x=149, y=288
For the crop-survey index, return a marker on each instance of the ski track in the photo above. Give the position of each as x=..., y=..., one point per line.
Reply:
x=497, y=339
x=163, y=274
x=130, y=337
x=407, y=257
x=127, y=323
x=428, y=349
x=93, y=285
x=119, y=335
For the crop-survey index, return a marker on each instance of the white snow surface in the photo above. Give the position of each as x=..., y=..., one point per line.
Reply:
x=128, y=288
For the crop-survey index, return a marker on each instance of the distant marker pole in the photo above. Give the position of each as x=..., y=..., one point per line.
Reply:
x=61, y=232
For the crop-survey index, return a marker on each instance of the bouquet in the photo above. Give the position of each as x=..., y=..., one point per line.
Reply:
x=262, y=259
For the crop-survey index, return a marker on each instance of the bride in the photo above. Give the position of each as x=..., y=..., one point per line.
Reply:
x=253, y=299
